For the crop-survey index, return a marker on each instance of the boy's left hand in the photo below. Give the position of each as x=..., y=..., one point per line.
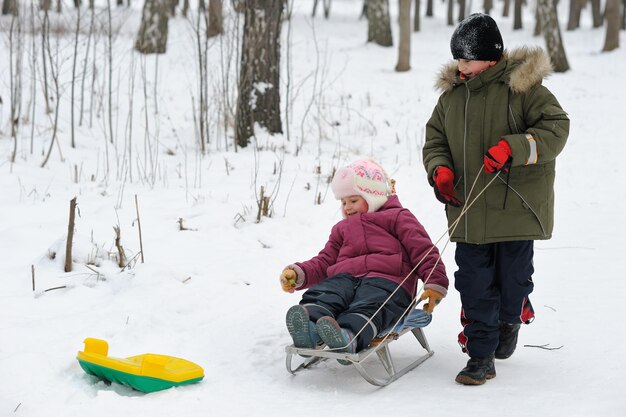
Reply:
x=434, y=298
x=498, y=157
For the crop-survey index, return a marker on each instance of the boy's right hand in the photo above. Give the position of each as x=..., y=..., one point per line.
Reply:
x=444, y=186
x=288, y=280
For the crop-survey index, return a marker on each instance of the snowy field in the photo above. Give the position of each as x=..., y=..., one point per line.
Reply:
x=210, y=294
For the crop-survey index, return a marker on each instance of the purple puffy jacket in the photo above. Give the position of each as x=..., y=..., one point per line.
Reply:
x=387, y=243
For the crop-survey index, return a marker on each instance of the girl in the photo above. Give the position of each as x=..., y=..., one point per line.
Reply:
x=366, y=264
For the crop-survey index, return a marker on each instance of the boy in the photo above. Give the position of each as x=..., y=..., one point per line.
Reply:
x=494, y=116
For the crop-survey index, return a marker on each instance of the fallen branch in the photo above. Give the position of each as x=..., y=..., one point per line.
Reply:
x=545, y=347
x=55, y=288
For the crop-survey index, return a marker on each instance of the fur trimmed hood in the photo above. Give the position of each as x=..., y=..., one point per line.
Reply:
x=526, y=68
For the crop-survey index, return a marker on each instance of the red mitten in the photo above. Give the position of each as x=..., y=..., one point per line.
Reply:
x=498, y=157
x=444, y=186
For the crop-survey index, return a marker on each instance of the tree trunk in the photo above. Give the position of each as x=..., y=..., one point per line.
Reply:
x=152, y=36
x=552, y=35
x=215, y=26
x=429, y=8
x=575, y=9
x=517, y=14
x=258, y=99
x=450, y=12
x=404, y=45
x=185, y=11
x=506, y=8
x=537, y=30
x=379, y=23
x=326, y=8
x=612, y=14
x=173, y=4
x=462, y=6
x=487, y=6
x=45, y=5
x=596, y=13
x=416, y=16
x=9, y=7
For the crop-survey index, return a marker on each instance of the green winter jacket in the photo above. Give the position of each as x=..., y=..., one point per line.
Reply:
x=507, y=101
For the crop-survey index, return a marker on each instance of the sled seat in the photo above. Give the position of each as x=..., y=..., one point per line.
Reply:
x=414, y=323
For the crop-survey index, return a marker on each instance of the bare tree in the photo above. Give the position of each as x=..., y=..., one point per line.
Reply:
x=326, y=8
x=487, y=6
x=506, y=8
x=404, y=46
x=596, y=13
x=259, y=73
x=9, y=7
x=416, y=16
x=215, y=25
x=429, y=8
x=173, y=4
x=517, y=14
x=451, y=12
x=612, y=14
x=16, y=53
x=152, y=36
x=575, y=10
x=379, y=23
x=462, y=7
x=552, y=34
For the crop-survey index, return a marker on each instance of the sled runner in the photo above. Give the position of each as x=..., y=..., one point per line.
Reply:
x=148, y=372
x=413, y=322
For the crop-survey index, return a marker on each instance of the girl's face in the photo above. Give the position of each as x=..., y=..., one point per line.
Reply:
x=470, y=69
x=353, y=204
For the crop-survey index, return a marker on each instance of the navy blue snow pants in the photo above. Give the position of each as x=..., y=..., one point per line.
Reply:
x=494, y=281
x=352, y=301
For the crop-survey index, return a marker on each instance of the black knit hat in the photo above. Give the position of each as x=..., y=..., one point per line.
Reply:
x=477, y=38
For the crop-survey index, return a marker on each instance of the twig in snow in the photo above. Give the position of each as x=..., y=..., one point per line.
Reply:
x=545, y=347
x=70, y=236
x=139, y=226
x=55, y=288
x=32, y=274
x=121, y=261
x=551, y=308
x=18, y=406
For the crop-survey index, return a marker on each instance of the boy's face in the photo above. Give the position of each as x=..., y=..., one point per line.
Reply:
x=353, y=204
x=469, y=69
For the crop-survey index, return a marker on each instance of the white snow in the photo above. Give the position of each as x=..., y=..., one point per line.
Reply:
x=210, y=294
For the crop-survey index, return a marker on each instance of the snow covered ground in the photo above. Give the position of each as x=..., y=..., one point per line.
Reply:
x=210, y=294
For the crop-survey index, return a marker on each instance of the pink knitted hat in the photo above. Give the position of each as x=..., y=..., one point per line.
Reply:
x=365, y=178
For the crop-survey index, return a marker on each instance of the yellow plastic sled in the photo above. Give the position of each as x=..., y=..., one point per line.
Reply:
x=148, y=372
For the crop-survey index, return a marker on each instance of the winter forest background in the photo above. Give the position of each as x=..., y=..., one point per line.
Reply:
x=161, y=163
